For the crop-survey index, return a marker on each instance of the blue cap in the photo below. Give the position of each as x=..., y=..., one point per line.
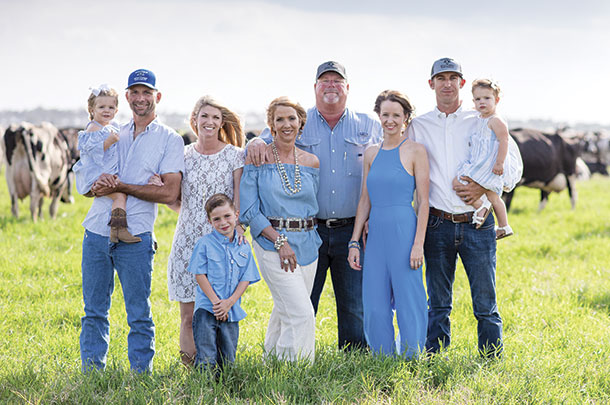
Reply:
x=445, y=65
x=142, y=76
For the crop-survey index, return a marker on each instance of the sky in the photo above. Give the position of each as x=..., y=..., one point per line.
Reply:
x=550, y=58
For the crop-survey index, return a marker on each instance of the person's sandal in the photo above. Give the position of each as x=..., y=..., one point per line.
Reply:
x=503, y=231
x=479, y=220
x=187, y=359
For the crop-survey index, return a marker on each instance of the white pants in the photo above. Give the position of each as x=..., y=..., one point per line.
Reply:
x=291, y=330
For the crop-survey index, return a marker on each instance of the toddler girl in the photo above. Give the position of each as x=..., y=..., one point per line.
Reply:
x=494, y=161
x=98, y=154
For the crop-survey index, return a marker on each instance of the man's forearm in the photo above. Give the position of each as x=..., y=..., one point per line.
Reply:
x=165, y=194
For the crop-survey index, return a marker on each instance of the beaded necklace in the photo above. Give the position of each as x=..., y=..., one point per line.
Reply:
x=288, y=189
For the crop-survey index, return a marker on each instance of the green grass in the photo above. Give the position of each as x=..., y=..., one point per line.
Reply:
x=553, y=282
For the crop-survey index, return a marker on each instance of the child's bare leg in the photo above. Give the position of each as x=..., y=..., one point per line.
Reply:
x=119, y=200
x=499, y=208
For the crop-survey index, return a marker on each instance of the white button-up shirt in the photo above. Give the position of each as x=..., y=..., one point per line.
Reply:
x=446, y=139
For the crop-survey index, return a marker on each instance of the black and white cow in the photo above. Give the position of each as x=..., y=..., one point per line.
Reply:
x=549, y=163
x=596, y=151
x=38, y=163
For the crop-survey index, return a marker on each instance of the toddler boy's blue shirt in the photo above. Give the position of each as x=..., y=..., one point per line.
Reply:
x=226, y=264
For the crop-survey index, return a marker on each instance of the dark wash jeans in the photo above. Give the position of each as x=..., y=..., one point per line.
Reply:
x=347, y=285
x=216, y=341
x=477, y=250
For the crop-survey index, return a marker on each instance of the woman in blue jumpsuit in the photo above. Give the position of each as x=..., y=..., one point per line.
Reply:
x=392, y=268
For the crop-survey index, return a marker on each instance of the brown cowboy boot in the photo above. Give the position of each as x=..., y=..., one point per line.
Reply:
x=118, y=228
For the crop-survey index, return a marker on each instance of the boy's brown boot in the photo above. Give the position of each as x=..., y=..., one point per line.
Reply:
x=118, y=228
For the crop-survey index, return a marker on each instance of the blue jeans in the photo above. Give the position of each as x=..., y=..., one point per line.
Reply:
x=347, y=284
x=216, y=341
x=133, y=264
x=477, y=250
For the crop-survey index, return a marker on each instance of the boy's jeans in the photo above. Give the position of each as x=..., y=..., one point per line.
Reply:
x=216, y=341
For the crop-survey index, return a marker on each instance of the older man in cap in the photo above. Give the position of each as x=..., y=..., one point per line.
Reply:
x=146, y=147
x=338, y=136
x=445, y=133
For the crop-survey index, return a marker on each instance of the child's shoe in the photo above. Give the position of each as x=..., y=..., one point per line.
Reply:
x=479, y=217
x=503, y=232
x=118, y=228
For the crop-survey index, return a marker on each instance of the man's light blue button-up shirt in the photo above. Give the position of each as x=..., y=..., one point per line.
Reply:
x=157, y=150
x=341, y=154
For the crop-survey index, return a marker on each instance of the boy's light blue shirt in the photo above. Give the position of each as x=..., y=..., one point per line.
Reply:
x=341, y=154
x=226, y=264
x=157, y=150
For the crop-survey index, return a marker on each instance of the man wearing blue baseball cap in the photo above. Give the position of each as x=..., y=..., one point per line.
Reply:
x=338, y=136
x=445, y=133
x=146, y=148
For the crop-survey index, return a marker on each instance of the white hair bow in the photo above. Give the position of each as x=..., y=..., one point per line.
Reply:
x=96, y=91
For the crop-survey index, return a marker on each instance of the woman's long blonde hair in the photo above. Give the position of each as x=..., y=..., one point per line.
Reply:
x=230, y=132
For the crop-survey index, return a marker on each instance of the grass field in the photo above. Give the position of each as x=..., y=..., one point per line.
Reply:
x=553, y=282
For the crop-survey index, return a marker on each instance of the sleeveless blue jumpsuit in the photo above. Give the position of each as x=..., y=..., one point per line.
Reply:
x=388, y=280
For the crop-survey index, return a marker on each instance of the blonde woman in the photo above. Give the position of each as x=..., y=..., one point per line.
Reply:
x=213, y=165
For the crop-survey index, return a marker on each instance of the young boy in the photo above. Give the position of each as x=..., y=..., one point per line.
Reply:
x=223, y=269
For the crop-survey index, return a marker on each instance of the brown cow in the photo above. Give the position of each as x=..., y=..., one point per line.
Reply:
x=38, y=162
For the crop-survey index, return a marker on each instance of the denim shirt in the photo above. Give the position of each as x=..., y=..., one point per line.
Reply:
x=341, y=154
x=226, y=264
x=261, y=195
x=157, y=150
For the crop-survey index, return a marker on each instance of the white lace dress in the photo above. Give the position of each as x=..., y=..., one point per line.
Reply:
x=205, y=175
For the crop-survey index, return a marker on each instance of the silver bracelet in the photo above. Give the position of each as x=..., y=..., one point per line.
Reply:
x=279, y=242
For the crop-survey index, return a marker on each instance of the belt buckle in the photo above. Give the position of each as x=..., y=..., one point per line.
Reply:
x=300, y=226
x=328, y=222
x=280, y=222
x=453, y=218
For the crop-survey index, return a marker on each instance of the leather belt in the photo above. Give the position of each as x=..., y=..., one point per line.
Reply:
x=293, y=224
x=462, y=218
x=336, y=222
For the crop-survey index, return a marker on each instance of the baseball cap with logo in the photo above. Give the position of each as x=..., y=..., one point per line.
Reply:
x=446, y=65
x=331, y=66
x=142, y=76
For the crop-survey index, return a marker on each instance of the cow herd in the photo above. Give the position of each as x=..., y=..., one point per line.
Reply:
x=39, y=161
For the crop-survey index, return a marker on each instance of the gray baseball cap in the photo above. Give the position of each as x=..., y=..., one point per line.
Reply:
x=446, y=65
x=331, y=66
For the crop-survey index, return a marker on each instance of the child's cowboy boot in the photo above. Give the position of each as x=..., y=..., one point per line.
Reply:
x=118, y=228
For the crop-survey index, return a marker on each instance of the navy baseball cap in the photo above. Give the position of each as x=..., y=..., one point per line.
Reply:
x=142, y=76
x=331, y=66
x=446, y=65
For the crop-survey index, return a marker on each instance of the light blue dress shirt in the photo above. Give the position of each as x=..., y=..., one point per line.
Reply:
x=341, y=154
x=157, y=150
x=226, y=264
x=261, y=195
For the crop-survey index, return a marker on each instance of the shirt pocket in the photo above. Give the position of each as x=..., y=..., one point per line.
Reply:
x=355, y=144
x=151, y=159
x=217, y=270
